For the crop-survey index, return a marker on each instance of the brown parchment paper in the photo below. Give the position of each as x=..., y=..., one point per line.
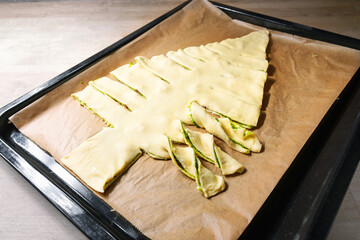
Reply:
x=305, y=78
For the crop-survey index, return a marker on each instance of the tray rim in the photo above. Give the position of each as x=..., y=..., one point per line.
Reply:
x=17, y=158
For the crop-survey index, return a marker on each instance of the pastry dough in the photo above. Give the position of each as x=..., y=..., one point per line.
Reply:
x=207, y=182
x=99, y=164
x=204, y=147
x=150, y=98
x=235, y=135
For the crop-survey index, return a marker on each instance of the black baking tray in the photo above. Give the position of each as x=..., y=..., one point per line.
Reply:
x=304, y=203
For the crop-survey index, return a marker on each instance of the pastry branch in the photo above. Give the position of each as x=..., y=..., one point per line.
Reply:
x=185, y=159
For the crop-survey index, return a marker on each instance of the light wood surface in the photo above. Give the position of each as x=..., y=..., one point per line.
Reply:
x=39, y=40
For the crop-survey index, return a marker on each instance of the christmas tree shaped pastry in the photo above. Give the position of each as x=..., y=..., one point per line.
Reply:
x=218, y=87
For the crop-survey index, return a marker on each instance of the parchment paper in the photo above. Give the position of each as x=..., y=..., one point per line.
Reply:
x=305, y=78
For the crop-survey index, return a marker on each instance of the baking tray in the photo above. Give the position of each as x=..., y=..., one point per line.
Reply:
x=304, y=203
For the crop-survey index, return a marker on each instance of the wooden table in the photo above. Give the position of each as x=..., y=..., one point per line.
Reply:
x=39, y=40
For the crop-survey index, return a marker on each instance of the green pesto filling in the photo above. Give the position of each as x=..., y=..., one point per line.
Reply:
x=217, y=159
x=135, y=90
x=193, y=121
x=196, y=58
x=191, y=116
x=239, y=126
x=154, y=155
x=180, y=64
x=91, y=110
x=197, y=151
x=198, y=175
x=116, y=100
x=235, y=124
x=155, y=73
x=177, y=162
x=246, y=150
x=248, y=133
